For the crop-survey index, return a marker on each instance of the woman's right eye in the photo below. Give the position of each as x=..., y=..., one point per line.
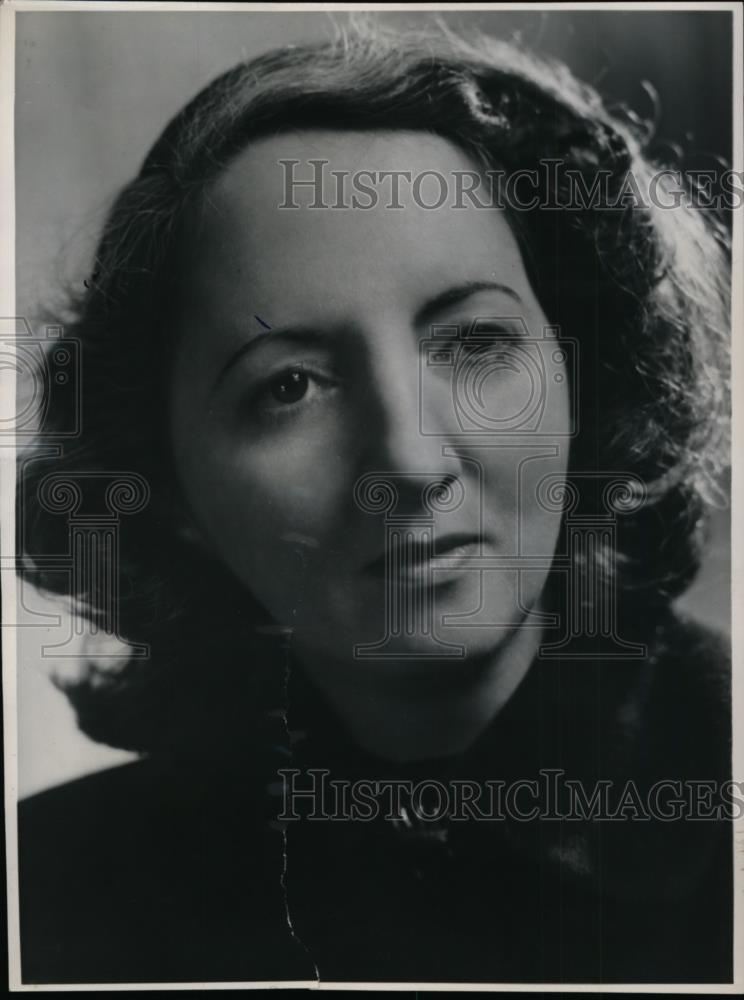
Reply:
x=289, y=387
x=289, y=392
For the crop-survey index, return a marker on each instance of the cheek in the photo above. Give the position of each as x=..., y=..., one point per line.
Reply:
x=256, y=503
x=522, y=477
x=515, y=484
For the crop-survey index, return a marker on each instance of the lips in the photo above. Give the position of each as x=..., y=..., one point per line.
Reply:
x=416, y=555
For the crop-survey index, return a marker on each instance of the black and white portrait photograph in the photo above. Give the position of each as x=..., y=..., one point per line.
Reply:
x=367, y=459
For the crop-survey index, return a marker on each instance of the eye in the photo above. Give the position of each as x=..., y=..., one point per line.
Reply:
x=290, y=392
x=289, y=387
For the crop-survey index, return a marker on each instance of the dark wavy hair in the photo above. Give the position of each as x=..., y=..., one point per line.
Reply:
x=643, y=290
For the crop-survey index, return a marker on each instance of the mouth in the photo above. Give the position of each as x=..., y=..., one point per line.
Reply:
x=415, y=559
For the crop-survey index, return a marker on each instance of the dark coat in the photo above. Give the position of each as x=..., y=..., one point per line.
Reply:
x=166, y=871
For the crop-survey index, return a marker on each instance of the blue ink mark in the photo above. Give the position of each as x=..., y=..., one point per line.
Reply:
x=264, y=325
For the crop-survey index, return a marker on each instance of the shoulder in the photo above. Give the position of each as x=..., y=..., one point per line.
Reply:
x=110, y=786
x=669, y=754
x=134, y=810
x=684, y=698
x=664, y=711
x=106, y=825
x=100, y=813
x=130, y=875
x=654, y=730
x=705, y=652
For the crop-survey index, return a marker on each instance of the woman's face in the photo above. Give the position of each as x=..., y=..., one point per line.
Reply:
x=306, y=363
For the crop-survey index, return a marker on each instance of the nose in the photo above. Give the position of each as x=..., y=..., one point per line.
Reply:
x=407, y=420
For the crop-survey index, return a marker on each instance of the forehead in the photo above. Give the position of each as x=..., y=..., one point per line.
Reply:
x=251, y=241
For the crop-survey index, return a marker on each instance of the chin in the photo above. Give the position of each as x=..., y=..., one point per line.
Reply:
x=444, y=647
x=469, y=618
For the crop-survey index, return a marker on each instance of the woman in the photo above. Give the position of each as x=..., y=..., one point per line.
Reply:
x=425, y=475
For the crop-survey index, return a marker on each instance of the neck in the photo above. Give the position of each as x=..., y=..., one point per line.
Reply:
x=409, y=710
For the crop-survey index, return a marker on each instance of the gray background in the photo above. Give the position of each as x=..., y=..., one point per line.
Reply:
x=93, y=90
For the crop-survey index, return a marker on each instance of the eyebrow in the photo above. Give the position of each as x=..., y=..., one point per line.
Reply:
x=291, y=335
x=457, y=294
x=310, y=335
